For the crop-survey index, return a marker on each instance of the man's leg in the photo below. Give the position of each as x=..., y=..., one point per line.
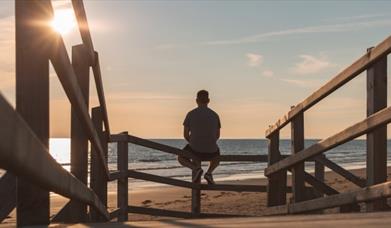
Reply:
x=187, y=163
x=213, y=165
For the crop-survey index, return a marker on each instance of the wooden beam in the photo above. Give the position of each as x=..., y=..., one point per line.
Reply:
x=122, y=183
x=234, y=187
x=377, y=139
x=298, y=183
x=319, y=185
x=98, y=181
x=160, y=179
x=81, y=17
x=101, y=93
x=277, y=186
x=60, y=60
x=362, y=195
x=23, y=153
x=7, y=195
x=196, y=194
x=339, y=80
x=361, y=182
x=378, y=119
x=32, y=99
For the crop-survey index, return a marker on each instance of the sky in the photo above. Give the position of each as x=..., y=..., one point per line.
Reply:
x=256, y=59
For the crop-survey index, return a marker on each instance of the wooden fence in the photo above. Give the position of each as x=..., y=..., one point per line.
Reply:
x=374, y=189
x=123, y=173
x=25, y=131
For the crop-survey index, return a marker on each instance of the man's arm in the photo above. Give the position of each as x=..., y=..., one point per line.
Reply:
x=218, y=134
x=186, y=133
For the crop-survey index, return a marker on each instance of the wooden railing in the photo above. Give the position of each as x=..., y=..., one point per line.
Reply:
x=25, y=131
x=374, y=126
x=124, y=173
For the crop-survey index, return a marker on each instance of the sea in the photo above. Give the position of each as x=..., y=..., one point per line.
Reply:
x=350, y=155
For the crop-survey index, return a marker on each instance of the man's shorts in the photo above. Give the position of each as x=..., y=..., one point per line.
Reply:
x=203, y=156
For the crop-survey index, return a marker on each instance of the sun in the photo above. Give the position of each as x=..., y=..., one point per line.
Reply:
x=63, y=21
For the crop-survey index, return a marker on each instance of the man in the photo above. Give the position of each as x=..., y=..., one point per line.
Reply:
x=201, y=131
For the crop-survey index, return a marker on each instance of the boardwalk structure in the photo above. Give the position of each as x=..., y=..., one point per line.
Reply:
x=32, y=173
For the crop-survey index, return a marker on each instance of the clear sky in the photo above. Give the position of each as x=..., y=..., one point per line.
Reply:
x=256, y=58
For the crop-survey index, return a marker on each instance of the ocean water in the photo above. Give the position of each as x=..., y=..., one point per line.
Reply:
x=349, y=155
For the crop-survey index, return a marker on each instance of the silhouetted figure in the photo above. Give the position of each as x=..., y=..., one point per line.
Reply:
x=201, y=131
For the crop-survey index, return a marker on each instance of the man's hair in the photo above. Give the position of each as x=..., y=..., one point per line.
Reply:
x=203, y=96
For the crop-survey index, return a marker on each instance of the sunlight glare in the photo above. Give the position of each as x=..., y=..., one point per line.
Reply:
x=63, y=21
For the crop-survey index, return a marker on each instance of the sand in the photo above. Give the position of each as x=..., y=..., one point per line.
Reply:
x=176, y=198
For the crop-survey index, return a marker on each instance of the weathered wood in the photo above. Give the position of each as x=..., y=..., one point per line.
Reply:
x=319, y=173
x=77, y=211
x=32, y=99
x=81, y=17
x=114, y=214
x=60, y=60
x=297, y=139
x=362, y=195
x=319, y=185
x=176, y=214
x=122, y=183
x=98, y=181
x=276, y=188
x=196, y=196
x=378, y=119
x=162, y=180
x=151, y=144
x=341, y=171
x=377, y=139
x=101, y=93
x=7, y=195
x=342, y=78
x=234, y=187
x=23, y=153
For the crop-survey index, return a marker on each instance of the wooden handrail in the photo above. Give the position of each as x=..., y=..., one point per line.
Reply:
x=342, y=78
x=378, y=119
x=81, y=17
x=62, y=65
x=39, y=167
x=362, y=195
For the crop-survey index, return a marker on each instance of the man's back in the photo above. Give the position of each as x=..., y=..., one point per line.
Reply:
x=204, y=124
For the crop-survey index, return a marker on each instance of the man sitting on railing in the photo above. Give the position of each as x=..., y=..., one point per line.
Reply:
x=202, y=130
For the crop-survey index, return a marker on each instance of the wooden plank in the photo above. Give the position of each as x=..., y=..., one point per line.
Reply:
x=114, y=214
x=276, y=188
x=101, y=93
x=319, y=185
x=122, y=183
x=361, y=182
x=77, y=211
x=362, y=195
x=297, y=137
x=234, y=187
x=196, y=195
x=7, y=194
x=377, y=139
x=176, y=214
x=81, y=17
x=380, y=118
x=60, y=60
x=160, y=179
x=339, y=80
x=98, y=181
x=32, y=99
x=23, y=153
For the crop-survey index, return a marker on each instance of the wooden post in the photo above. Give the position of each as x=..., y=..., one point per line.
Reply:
x=319, y=172
x=298, y=187
x=276, y=188
x=98, y=181
x=122, y=196
x=32, y=98
x=196, y=197
x=377, y=139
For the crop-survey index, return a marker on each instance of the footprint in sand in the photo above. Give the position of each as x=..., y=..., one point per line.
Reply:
x=146, y=202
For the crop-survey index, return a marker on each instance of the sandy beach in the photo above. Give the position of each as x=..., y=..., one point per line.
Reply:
x=175, y=198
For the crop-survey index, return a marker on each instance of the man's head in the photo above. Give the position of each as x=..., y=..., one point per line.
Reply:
x=202, y=97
